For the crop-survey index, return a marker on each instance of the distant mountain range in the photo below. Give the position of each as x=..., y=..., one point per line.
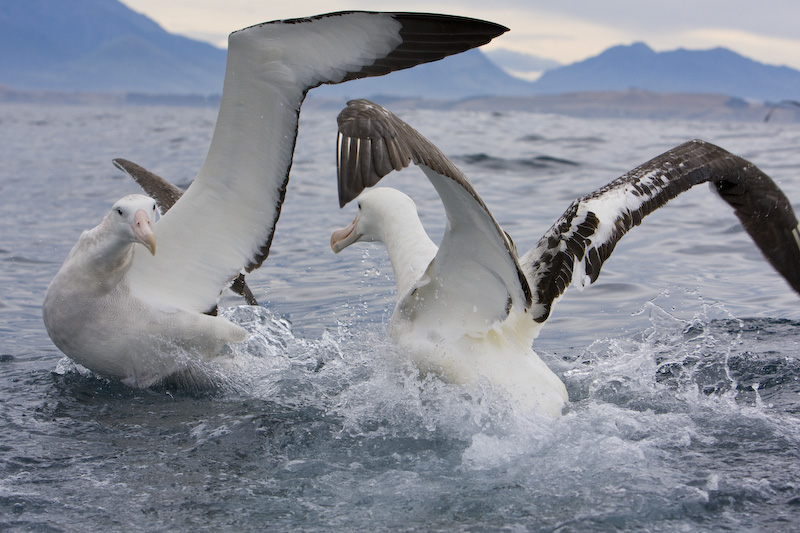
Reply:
x=100, y=45
x=464, y=75
x=103, y=46
x=637, y=66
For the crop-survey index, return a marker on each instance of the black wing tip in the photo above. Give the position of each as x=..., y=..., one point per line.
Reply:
x=425, y=37
x=345, y=199
x=357, y=168
x=120, y=163
x=129, y=167
x=444, y=21
x=350, y=180
x=348, y=194
x=373, y=142
x=452, y=24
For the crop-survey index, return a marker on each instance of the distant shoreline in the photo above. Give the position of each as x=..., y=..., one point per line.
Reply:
x=631, y=104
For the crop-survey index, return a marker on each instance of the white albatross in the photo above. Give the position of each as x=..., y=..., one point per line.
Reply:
x=471, y=307
x=128, y=314
x=166, y=194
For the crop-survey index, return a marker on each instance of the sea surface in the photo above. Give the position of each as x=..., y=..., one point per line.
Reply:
x=682, y=361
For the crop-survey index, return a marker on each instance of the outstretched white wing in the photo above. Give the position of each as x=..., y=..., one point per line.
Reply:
x=225, y=221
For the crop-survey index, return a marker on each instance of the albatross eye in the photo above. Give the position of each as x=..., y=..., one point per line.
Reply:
x=119, y=211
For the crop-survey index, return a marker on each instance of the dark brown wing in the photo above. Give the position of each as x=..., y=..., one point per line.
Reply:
x=574, y=249
x=373, y=142
x=163, y=192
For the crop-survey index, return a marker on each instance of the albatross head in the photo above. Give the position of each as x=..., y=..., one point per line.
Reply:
x=381, y=211
x=133, y=217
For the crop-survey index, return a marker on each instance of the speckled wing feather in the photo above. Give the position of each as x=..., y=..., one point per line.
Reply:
x=574, y=249
x=476, y=265
x=225, y=221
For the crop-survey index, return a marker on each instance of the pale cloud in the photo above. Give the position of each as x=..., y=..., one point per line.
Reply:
x=566, y=31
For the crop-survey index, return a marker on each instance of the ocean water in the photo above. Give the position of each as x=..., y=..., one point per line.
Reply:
x=682, y=361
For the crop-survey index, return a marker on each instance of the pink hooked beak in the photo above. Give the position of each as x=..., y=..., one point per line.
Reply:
x=143, y=231
x=342, y=238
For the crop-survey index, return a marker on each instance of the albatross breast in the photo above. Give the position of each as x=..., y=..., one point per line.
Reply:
x=128, y=314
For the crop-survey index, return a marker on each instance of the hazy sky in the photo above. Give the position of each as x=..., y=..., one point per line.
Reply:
x=564, y=30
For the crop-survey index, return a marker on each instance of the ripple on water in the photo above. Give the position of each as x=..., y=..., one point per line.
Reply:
x=683, y=412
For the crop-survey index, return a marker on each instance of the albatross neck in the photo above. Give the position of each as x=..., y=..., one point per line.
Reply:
x=410, y=252
x=103, y=251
